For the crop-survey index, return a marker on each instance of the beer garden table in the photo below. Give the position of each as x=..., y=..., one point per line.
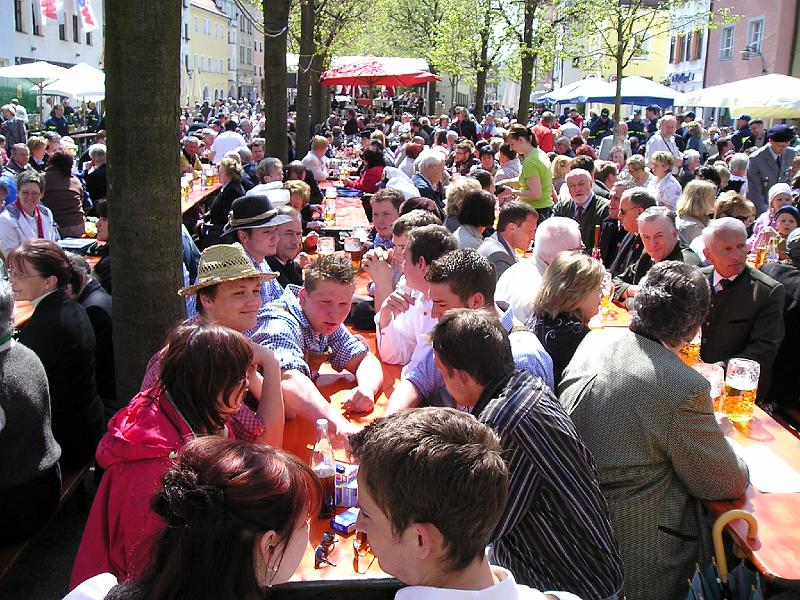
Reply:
x=776, y=549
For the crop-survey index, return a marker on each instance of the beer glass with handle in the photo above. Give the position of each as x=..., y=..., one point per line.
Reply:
x=741, y=385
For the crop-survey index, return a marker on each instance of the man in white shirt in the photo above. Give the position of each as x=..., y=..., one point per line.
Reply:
x=22, y=112
x=226, y=141
x=519, y=284
x=404, y=318
x=432, y=484
x=665, y=140
x=314, y=161
x=269, y=172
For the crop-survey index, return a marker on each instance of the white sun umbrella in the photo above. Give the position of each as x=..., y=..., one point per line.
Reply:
x=80, y=81
x=583, y=90
x=769, y=97
x=38, y=73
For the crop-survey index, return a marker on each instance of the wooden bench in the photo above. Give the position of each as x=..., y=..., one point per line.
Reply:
x=70, y=482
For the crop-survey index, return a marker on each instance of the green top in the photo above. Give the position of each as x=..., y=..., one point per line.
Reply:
x=537, y=164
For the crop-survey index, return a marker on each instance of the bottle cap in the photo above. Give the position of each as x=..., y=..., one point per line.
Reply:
x=322, y=423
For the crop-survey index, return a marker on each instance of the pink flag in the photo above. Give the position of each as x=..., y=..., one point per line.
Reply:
x=50, y=9
x=88, y=19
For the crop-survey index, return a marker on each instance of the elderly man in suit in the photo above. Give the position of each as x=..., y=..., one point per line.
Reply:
x=429, y=178
x=516, y=227
x=649, y=423
x=770, y=164
x=746, y=315
x=634, y=202
x=584, y=205
x=660, y=240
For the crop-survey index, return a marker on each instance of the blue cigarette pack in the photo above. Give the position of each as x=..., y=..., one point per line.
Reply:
x=345, y=523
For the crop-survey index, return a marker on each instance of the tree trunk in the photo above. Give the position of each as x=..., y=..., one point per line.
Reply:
x=483, y=67
x=319, y=96
x=276, y=19
x=304, y=67
x=528, y=60
x=144, y=204
x=432, y=97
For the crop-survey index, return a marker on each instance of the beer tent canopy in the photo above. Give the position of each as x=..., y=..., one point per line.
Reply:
x=771, y=96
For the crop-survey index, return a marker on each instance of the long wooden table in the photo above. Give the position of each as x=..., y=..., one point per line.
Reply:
x=299, y=438
x=199, y=196
x=776, y=549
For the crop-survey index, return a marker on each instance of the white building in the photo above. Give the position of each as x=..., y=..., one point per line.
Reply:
x=688, y=43
x=63, y=41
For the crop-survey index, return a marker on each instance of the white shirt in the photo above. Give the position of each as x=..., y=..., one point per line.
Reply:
x=717, y=278
x=510, y=170
x=407, y=167
x=224, y=143
x=13, y=232
x=569, y=130
x=404, y=340
x=519, y=284
x=272, y=190
x=658, y=143
x=22, y=113
x=95, y=588
x=506, y=588
x=316, y=165
x=666, y=190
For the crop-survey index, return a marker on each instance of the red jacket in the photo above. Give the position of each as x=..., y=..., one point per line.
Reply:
x=545, y=137
x=369, y=180
x=134, y=452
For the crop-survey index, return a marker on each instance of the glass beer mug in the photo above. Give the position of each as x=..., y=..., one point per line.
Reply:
x=741, y=385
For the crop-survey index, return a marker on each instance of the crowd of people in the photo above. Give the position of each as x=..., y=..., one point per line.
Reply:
x=579, y=458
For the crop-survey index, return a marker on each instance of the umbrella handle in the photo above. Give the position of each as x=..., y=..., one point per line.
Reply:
x=716, y=534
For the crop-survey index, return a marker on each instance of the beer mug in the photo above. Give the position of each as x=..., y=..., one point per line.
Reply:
x=715, y=375
x=690, y=353
x=326, y=245
x=352, y=245
x=741, y=385
x=606, y=289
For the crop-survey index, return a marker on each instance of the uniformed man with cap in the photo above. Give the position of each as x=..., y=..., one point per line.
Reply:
x=770, y=164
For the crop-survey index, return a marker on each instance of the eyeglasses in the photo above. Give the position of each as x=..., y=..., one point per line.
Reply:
x=13, y=274
x=361, y=549
x=581, y=248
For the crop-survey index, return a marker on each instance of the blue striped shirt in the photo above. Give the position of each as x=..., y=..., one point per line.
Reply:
x=555, y=532
x=529, y=355
x=288, y=333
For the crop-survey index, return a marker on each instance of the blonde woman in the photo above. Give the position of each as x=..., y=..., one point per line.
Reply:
x=694, y=139
x=456, y=191
x=663, y=185
x=560, y=166
x=695, y=209
x=568, y=297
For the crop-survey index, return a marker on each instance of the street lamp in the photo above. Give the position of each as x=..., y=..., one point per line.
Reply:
x=752, y=50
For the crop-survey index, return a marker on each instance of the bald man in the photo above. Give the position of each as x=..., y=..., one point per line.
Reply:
x=746, y=315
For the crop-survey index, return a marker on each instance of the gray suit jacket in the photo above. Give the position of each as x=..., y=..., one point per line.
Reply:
x=648, y=421
x=498, y=253
x=762, y=174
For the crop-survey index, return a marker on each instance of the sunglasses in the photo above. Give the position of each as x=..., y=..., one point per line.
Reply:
x=361, y=549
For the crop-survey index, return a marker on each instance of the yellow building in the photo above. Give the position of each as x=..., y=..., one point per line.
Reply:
x=208, y=70
x=652, y=58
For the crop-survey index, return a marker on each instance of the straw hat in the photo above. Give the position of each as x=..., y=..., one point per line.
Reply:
x=221, y=263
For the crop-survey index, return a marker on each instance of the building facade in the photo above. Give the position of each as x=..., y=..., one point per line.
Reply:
x=208, y=49
x=63, y=40
x=761, y=41
x=687, y=46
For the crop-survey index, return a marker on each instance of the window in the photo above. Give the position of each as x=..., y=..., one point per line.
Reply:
x=76, y=35
x=18, y=15
x=680, y=46
x=36, y=30
x=698, y=45
x=687, y=50
x=202, y=63
x=196, y=24
x=755, y=35
x=196, y=62
x=88, y=38
x=672, y=50
x=726, y=42
x=62, y=27
x=186, y=31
